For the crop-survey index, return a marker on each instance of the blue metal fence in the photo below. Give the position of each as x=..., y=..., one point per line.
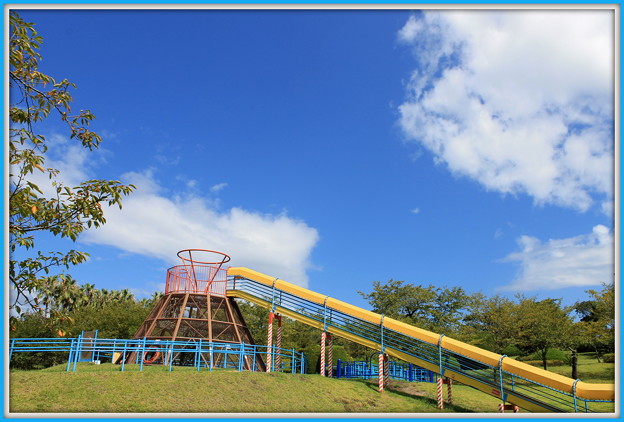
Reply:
x=195, y=353
x=396, y=370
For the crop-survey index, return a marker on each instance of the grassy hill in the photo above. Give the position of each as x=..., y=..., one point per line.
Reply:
x=104, y=389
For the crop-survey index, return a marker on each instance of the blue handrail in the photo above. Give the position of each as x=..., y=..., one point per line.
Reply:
x=396, y=371
x=202, y=354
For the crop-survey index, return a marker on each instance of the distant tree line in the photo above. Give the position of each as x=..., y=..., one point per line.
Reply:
x=522, y=326
x=66, y=309
x=519, y=326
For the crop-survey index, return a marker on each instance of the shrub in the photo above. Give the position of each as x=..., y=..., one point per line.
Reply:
x=512, y=351
x=556, y=354
x=33, y=325
x=608, y=358
x=37, y=360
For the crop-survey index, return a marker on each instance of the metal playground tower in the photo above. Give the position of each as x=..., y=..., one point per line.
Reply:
x=195, y=308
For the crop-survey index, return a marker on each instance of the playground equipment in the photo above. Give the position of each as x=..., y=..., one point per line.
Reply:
x=511, y=381
x=396, y=371
x=195, y=353
x=195, y=307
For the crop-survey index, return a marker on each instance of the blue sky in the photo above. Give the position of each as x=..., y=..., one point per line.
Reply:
x=335, y=148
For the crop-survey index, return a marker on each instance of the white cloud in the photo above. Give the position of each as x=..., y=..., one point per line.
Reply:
x=415, y=211
x=521, y=101
x=153, y=224
x=585, y=260
x=218, y=187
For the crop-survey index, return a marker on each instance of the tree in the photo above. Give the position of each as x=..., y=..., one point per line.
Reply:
x=432, y=308
x=117, y=318
x=61, y=210
x=34, y=325
x=55, y=294
x=116, y=314
x=493, y=319
x=449, y=310
x=257, y=320
x=542, y=325
x=399, y=300
x=597, y=324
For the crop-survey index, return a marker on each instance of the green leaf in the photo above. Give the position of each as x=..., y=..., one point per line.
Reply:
x=74, y=209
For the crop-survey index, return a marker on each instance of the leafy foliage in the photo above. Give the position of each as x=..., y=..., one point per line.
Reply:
x=432, y=308
x=597, y=324
x=115, y=314
x=493, y=322
x=35, y=325
x=55, y=208
x=115, y=319
x=523, y=325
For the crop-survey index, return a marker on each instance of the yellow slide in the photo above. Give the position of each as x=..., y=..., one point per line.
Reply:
x=526, y=386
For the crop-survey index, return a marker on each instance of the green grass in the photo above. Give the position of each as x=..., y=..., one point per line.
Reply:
x=589, y=370
x=465, y=399
x=105, y=389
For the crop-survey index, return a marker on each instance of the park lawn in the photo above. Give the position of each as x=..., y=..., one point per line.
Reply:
x=590, y=370
x=465, y=399
x=104, y=389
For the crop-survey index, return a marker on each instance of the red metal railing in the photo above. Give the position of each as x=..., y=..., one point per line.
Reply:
x=196, y=278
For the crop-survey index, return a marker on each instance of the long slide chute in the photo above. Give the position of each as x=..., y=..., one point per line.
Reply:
x=512, y=381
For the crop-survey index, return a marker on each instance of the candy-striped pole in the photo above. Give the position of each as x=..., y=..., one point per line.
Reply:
x=330, y=355
x=381, y=372
x=440, y=398
x=449, y=390
x=502, y=407
x=269, y=342
x=323, y=337
x=278, y=356
x=386, y=370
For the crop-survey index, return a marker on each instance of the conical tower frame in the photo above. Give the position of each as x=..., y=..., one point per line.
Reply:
x=195, y=306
